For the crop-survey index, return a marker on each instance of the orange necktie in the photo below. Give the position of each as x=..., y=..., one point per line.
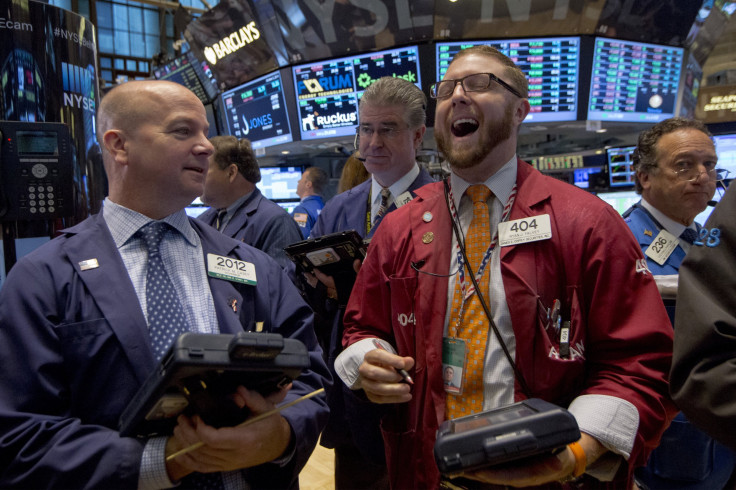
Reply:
x=473, y=326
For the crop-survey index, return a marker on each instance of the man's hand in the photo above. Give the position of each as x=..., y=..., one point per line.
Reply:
x=231, y=448
x=379, y=379
x=538, y=471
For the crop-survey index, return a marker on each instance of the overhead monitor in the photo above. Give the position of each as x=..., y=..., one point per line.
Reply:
x=621, y=166
x=288, y=206
x=279, y=183
x=257, y=111
x=196, y=208
x=726, y=151
x=188, y=71
x=634, y=82
x=328, y=92
x=551, y=66
x=581, y=176
x=620, y=200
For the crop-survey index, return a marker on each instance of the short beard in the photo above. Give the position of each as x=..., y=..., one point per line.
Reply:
x=468, y=157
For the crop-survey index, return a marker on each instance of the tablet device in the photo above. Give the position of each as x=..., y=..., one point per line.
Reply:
x=200, y=372
x=330, y=253
x=521, y=430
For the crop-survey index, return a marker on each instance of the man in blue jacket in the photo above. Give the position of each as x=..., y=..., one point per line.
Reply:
x=76, y=316
x=675, y=164
x=310, y=189
x=676, y=175
x=392, y=125
x=238, y=208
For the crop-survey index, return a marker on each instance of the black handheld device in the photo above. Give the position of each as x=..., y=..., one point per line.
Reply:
x=329, y=253
x=200, y=372
x=528, y=428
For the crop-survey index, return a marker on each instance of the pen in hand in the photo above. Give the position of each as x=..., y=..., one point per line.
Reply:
x=402, y=372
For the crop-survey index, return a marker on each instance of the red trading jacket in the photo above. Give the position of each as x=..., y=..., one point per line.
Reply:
x=592, y=263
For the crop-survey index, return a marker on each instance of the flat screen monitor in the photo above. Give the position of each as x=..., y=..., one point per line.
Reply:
x=279, y=183
x=633, y=82
x=581, y=176
x=196, y=208
x=328, y=92
x=288, y=206
x=551, y=66
x=257, y=110
x=188, y=71
x=621, y=166
x=726, y=151
x=620, y=200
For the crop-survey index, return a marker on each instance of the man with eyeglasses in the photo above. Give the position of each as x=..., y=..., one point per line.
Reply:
x=675, y=163
x=676, y=175
x=392, y=115
x=578, y=323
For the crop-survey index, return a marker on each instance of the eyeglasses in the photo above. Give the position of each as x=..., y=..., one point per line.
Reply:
x=691, y=173
x=477, y=82
x=384, y=132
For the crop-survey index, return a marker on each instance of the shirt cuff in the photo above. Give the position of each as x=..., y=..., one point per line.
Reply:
x=153, y=473
x=612, y=421
x=349, y=360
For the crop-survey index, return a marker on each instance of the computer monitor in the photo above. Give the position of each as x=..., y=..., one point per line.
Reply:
x=634, y=82
x=551, y=66
x=726, y=151
x=279, y=183
x=327, y=92
x=288, y=206
x=196, y=208
x=621, y=166
x=581, y=176
x=257, y=110
x=187, y=70
x=620, y=200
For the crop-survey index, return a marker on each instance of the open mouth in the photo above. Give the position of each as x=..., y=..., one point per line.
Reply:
x=195, y=169
x=464, y=127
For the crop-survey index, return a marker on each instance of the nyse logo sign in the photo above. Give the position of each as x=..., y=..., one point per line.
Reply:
x=78, y=83
x=231, y=43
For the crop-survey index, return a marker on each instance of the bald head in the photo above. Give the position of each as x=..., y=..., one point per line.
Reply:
x=153, y=136
x=130, y=104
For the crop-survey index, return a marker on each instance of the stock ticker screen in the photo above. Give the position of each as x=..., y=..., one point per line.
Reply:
x=551, y=66
x=257, y=110
x=328, y=92
x=634, y=82
x=188, y=71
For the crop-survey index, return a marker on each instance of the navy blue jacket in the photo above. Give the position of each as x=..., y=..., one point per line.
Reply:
x=263, y=224
x=75, y=348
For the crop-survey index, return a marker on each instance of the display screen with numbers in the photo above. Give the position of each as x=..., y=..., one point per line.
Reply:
x=257, y=111
x=328, y=92
x=551, y=66
x=634, y=82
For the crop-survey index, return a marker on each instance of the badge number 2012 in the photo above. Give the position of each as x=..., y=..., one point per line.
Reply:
x=231, y=269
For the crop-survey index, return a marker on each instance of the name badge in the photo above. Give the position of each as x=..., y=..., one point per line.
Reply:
x=662, y=247
x=404, y=198
x=524, y=230
x=231, y=269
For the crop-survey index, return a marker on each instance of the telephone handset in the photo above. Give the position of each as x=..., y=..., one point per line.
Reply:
x=36, y=167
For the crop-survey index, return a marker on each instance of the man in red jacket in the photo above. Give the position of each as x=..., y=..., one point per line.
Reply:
x=605, y=360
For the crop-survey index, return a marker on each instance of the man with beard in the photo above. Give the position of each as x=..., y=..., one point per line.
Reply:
x=576, y=320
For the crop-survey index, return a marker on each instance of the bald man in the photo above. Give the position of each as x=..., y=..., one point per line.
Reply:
x=74, y=324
